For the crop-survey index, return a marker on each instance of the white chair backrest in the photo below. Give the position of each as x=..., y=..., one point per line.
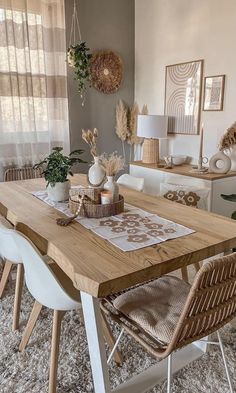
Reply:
x=40, y=280
x=8, y=249
x=135, y=183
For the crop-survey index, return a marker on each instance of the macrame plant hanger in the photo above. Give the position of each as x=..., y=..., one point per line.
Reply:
x=75, y=27
x=79, y=51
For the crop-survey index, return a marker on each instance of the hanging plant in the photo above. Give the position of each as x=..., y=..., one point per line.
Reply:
x=79, y=58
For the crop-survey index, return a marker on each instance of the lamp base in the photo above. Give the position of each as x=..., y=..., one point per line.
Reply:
x=151, y=151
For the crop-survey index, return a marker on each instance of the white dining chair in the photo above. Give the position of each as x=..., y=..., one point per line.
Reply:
x=135, y=183
x=51, y=288
x=11, y=257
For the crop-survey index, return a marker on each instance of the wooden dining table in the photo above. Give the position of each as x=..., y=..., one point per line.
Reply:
x=98, y=269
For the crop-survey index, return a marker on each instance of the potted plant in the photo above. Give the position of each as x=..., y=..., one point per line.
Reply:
x=230, y=198
x=79, y=58
x=56, y=168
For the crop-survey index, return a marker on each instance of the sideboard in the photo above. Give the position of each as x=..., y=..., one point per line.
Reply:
x=217, y=184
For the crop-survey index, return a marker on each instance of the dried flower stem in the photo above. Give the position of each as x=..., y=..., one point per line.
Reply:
x=112, y=163
x=121, y=121
x=228, y=140
x=90, y=137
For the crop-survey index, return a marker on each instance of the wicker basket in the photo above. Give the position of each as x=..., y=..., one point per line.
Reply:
x=98, y=211
x=93, y=194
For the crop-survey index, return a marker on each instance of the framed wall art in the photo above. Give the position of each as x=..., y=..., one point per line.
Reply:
x=183, y=90
x=214, y=87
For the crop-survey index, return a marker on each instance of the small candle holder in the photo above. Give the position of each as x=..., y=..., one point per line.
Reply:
x=106, y=197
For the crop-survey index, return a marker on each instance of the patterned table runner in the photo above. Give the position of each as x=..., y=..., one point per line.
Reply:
x=131, y=230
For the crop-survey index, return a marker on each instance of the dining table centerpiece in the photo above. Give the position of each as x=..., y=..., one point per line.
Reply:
x=96, y=172
x=56, y=168
x=112, y=164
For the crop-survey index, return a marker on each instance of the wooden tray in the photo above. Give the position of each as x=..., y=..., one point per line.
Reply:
x=98, y=211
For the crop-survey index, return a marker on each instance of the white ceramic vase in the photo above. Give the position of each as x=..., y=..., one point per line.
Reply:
x=60, y=192
x=113, y=187
x=96, y=173
x=224, y=159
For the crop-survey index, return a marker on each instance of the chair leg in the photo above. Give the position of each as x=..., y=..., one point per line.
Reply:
x=110, y=340
x=197, y=266
x=5, y=276
x=56, y=332
x=169, y=374
x=225, y=363
x=37, y=307
x=184, y=273
x=108, y=336
x=18, y=296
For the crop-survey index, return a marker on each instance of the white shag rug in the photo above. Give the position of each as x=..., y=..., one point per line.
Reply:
x=28, y=372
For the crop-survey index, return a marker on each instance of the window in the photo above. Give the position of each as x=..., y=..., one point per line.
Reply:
x=33, y=95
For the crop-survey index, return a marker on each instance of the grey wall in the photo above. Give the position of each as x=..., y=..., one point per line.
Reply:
x=105, y=24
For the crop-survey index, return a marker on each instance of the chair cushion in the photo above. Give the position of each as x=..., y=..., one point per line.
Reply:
x=155, y=306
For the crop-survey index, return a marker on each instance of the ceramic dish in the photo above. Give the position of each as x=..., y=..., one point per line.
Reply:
x=178, y=160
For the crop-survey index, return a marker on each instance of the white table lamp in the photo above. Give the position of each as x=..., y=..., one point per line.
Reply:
x=151, y=128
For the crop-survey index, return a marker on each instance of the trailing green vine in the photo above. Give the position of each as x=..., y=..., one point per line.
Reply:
x=79, y=57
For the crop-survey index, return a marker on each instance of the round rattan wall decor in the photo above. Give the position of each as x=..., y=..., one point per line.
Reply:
x=106, y=71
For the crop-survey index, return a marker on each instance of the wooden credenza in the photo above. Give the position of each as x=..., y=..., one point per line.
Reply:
x=217, y=184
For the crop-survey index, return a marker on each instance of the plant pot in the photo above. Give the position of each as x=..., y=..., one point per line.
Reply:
x=112, y=186
x=60, y=192
x=96, y=173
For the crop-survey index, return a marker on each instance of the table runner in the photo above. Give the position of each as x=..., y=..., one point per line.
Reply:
x=131, y=230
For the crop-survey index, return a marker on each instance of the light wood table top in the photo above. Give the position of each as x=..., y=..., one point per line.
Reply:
x=96, y=266
x=185, y=170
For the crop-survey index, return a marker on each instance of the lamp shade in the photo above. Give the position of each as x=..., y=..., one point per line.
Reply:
x=152, y=126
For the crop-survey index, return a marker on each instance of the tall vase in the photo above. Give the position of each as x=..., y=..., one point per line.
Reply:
x=112, y=186
x=96, y=173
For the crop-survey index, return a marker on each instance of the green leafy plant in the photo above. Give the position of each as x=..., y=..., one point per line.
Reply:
x=230, y=198
x=79, y=57
x=56, y=167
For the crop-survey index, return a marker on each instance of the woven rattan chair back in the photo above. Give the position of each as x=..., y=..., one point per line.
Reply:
x=23, y=173
x=211, y=302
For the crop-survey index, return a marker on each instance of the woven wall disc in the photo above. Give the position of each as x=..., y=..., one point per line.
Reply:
x=106, y=71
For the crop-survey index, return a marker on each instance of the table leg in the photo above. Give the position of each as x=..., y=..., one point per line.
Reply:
x=98, y=359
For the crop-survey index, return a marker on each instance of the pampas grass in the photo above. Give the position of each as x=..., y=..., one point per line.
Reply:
x=90, y=137
x=144, y=110
x=126, y=125
x=112, y=163
x=134, y=140
x=121, y=121
x=229, y=138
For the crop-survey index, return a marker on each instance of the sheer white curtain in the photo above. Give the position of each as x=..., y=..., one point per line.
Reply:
x=33, y=89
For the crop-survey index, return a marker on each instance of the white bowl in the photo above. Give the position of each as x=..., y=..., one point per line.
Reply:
x=178, y=160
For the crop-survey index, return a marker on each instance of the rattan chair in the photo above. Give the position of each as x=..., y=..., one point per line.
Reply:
x=24, y=173
x=208, y=306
